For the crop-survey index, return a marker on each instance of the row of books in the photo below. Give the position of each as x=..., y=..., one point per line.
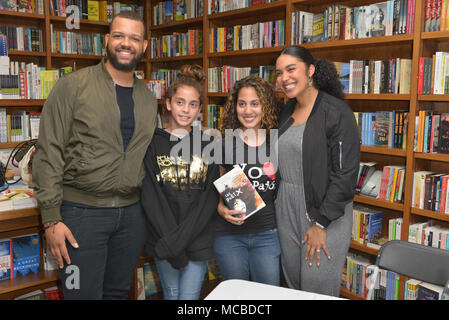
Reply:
x=51, y=293
x=242, y=37
x=358, y=277
x=340, y=22
x=383, y=128
x=29, y=6
x=430, y=191
x=149, y=282
x=176, y=10
x=395, y=229
x=433, y=74
x=392, y=184
x=429, y=234
x=19, y=126
x=214, y=113
x=380, y=76
x=77, y=43
x=437, y=15
x=419, y=290
x=19, y=256
x=431, y=132
x=157, y=87
x=32, y=83
x=23, y=38
x=367, y=226
x=93, y=10
x=216, y=6
x=177, y=44
x=168, y=75
x=222, y=79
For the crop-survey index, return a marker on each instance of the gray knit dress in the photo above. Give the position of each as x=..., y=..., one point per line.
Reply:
x=293, y=224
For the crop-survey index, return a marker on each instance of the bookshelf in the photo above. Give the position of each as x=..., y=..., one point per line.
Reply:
x=411, y=46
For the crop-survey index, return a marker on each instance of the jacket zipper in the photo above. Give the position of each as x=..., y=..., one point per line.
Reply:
x=341, y=153
x=302, y=176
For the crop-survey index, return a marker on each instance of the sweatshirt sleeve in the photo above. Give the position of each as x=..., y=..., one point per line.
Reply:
x=345, y=158
x=157, y=209
x=54, y=133
x=175, y=242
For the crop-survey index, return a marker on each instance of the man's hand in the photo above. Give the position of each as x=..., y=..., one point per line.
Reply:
x=56, y=236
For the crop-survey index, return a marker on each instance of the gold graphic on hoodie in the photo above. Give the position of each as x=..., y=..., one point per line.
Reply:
x=181, y=174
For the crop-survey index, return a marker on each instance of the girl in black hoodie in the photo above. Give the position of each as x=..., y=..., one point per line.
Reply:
x=178, y=194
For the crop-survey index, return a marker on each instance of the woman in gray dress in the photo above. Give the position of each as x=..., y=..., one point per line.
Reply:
x=319, y=155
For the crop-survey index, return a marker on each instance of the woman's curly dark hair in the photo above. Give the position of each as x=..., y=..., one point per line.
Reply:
x=326, y=77
x=268, y=100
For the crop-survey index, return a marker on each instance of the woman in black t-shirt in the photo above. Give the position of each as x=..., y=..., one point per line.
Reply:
x=249, y=249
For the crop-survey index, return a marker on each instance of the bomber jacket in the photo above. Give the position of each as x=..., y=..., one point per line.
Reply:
x=79, y=155
x=179, y=197
x=330, y=156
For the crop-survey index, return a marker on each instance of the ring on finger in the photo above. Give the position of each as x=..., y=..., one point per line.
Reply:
x=318, y=250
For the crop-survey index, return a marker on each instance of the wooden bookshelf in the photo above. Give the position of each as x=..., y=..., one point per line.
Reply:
x=412, y=46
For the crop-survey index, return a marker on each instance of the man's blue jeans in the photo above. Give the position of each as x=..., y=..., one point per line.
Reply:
x=183, y=284
x=110, y=242
x=249, y=256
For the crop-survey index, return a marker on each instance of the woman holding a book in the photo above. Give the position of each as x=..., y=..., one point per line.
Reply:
x=246, y=242
x=178, y=194
x=319, y=155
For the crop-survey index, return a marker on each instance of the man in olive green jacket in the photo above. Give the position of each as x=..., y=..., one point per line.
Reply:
x=95, y=128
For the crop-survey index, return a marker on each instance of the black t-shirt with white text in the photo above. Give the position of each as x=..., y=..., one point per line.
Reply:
x=259, y=168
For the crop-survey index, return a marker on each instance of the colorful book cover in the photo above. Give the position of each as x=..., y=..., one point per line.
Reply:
x=152, y=281
x=5, y=260
x=180, y=9
x=443, y=138
x=382, y=128
x=26, y=255
x=10, y=5
x=238, y=192
x=213, y=270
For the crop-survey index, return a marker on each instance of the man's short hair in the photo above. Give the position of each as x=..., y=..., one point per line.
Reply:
x=132, y=16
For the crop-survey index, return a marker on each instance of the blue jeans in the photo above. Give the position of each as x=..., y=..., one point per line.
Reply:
x=110, y=243
x=184, y=284
x=249, y=256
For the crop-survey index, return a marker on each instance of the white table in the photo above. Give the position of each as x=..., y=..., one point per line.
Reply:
x=248, y=290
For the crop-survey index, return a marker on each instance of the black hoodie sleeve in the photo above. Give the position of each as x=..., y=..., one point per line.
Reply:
x=157, y=208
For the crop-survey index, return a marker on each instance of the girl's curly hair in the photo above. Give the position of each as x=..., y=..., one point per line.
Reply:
x=268, y=100
x=325, y=77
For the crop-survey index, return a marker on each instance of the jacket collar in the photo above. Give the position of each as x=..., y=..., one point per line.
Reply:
x=285, y=120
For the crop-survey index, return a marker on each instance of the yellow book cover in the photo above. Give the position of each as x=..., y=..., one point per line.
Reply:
x=93, y=8
x=103, y=11
x=393, y=185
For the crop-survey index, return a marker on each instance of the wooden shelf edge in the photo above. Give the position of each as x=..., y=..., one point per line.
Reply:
x=82, y=21
x=432, y=156
x=177, y=58
x=360, y=247
x=29, y=281
x=14, y=52
x=21, y=102
x=435, y=35
x=174, y=24
x=76, y=56
x=18, y=213
x=346, y=293
x=27, y=15
x=377, y=96
x=247, y=10
x=379, y=203
x=245, y=52
x=433, y=97
x=430, y=214
x=358, y=42
x=383, y=150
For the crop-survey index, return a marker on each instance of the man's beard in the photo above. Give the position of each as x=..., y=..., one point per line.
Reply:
x=112, y=57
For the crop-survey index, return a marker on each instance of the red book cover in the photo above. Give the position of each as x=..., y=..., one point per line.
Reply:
x=420, y=74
